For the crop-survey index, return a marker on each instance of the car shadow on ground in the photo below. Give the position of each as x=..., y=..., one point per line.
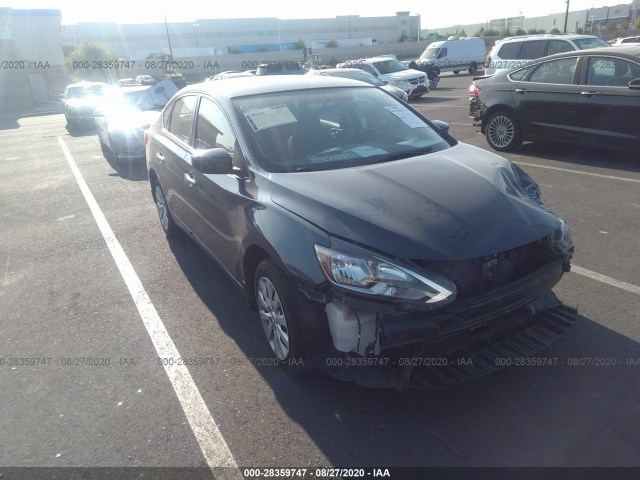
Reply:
x=82, y=130
x=9, y=123
x=134, y=170
x=564, y=413
x=581, y=155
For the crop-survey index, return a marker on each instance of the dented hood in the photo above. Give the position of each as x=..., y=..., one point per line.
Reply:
x=459, y=203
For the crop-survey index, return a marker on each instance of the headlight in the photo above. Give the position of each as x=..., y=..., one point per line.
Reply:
x=560, y=240
x=360, y=271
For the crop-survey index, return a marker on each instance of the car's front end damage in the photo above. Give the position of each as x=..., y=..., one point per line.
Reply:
x=442, y=276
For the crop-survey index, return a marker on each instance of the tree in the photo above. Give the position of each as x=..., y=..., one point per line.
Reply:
x=505, y=33
x=462, y=33
x=534, y=31
x=555, y=30
x=85, y=62
x=479, y=33
x=331, y=44
x=300, y=45
x=579, y=31
x=637, y=23
x=491, y=33
x=623, y=25
x=520, y=31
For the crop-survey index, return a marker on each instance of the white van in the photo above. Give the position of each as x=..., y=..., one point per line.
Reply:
x=455, y=54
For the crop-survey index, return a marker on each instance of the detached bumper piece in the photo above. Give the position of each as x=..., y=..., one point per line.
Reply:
x=419, y=368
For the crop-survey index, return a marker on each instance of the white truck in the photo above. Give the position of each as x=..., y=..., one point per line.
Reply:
x=453, y=55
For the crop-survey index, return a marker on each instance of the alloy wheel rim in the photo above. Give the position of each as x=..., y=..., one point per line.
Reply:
x=501, y=131
x=161, y=205
x=273, y=318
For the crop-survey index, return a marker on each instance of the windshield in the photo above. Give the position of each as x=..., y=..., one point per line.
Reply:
x=85, y=92
x=332, y=128
x=361, y=76
x=430, y=53
x=584, y=43
x=389, y=66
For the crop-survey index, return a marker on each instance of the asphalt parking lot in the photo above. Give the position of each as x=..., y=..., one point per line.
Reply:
x=91, y=292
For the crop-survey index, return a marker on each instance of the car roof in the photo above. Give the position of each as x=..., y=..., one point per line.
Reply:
x=630, y=51
x=87, y=84
x=534, y=36
x=244, y=86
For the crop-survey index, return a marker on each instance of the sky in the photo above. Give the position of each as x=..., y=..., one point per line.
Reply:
x=433, y=14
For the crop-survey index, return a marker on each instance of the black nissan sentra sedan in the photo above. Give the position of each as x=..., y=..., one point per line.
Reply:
x=359, y=230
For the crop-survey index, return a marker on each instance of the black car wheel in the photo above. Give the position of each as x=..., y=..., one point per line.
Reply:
x=168, y=225
x=278, y=315
x=473, y=68
x=502, y=131
x=456, y=72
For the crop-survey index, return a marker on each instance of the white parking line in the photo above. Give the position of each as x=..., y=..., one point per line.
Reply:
x=612, y=177
x=604, y=279
x=205, y=429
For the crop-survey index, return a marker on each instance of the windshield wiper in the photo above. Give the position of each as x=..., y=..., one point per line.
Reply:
x=406, y=154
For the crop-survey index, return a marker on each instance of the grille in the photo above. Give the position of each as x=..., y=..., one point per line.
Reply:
x=478, y=275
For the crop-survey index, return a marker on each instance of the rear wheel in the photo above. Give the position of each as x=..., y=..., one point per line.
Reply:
x=456, y=72
x=503, y=132
x=473, y=68
x=278, y=315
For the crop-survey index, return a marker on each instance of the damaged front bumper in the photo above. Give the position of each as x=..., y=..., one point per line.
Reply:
x=518, y=319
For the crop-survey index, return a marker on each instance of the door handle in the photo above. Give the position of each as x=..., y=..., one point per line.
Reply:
x=590, y=94
x=189, y=180
x=522, y=90
x=160, y=157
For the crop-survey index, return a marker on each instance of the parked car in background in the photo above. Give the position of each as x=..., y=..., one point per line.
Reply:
x=453, y=55
x=626, y=41
x=128, y=112
x=229, y=74
x=336, y=208
x=81, y=101
x=515, y=52
x=361, y=75
x=282, y=68
x=128, y=82
x=145, y=80
x=388, y=68
x=587, y=96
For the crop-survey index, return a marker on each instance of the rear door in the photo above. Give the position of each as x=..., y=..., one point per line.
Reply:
x=609, y=111
x=546, y=100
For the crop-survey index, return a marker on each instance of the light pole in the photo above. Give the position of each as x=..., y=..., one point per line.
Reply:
x=566, y=17
x=166, y=26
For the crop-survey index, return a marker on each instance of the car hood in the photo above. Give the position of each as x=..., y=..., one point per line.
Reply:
x=404, y=74
x=131, y=119
x=460, y=203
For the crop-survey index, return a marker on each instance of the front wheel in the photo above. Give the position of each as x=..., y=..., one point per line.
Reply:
x=456, y=72
x=278, y=315
x=503, y=132
x=168, y=225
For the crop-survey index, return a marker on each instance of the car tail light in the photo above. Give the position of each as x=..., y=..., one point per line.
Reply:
x=487, y=61
x=473, y=89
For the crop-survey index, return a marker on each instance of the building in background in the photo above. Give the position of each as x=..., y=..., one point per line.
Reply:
x=33, y=61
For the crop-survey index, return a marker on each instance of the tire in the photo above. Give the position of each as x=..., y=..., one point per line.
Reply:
x=473, y=68
x=456, y=72
x=114, y=154
x=503, y=132
x=169, y=226
x=278, y=316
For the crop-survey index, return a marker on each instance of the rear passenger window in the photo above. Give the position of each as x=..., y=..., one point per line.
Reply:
x=559, y=46
x=510, y=51
x=557, y=71
x=533, y=49
x=181, y=117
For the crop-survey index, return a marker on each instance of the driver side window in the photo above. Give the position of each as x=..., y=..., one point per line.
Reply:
x=212, y=128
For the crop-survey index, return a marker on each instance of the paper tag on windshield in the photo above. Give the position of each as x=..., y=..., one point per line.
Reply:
x=267, y=117
x=406, y=116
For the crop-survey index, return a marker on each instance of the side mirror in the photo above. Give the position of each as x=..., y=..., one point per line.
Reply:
x=634, y=84
x=385, y=82
x=442, y=126
x=214, y=161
